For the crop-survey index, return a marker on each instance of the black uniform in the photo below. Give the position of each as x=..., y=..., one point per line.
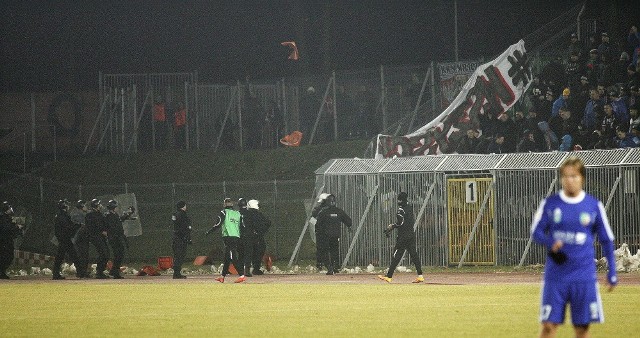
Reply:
x=320, y=252
x=81, y=242
x=406, y=239
x=8, y=232
x=181, y=238
x=64, y=230
x=117, y=240
x=245, y=244
x=328, y=225
x=95, y=229
x=256, y=227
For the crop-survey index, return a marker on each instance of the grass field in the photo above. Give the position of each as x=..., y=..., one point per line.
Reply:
x=344, y=306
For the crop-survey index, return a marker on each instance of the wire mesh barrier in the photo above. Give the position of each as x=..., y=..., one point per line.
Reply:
x=473, y=209
x=283, y=202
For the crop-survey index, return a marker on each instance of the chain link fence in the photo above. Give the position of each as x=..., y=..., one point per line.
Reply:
x=283, y=202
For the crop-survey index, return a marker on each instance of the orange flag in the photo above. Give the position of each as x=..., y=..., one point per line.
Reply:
x=294, y=50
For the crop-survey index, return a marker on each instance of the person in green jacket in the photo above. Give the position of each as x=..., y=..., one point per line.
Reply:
x=230, y=221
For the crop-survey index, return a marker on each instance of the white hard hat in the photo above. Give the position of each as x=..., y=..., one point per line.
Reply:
x=322, y=197
x=253, y=204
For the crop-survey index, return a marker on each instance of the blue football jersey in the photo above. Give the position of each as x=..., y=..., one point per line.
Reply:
x=574, y=221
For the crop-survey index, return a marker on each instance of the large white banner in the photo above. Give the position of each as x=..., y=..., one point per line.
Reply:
x=493, y=88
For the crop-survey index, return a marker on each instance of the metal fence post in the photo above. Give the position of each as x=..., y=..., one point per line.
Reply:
x=240, y=126
x=335, y=109
x=41, y=190
x=186, y=107
x=33, y=122
x=275, y=208
x=383, y=99
x=173, y=193
x=433, y=88
x=55, y=143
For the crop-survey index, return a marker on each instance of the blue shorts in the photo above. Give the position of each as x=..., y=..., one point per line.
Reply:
x=584, y=299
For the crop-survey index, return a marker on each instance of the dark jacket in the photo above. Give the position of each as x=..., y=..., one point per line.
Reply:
x=495, y=148
x=8, y=230
x=405, y=221
x=256, y=222
x=95, y=223
x=330, y=219
x=181, y=225
x=63, y=226
x=115, y=231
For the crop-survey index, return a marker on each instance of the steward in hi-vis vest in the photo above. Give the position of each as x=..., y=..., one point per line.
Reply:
x=231, y=222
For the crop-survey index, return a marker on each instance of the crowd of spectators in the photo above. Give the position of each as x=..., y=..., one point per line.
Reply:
x=586, y=100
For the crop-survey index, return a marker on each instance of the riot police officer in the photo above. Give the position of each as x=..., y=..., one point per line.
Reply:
x=320, y=250
x=115, y=234
x=328, y=224
x=81, y=239
x=64, y=230
x=9, y=230
x=97, y=234
x=258, y=224
x=247, y=236
x=181, y=238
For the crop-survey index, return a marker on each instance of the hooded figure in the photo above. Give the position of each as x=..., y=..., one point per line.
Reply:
x=406, y=239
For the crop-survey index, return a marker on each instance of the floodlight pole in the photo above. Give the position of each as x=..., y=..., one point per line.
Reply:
x=455, y=25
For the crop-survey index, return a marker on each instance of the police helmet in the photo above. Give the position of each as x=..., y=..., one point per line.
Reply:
x=80, y=204
x=253, y=204
x=112, y=204
x=95, y=203
x=242, y=203
x=228, y=202
x=6, y=206
x=323, y=197
x=331, y=200
x=62, y=204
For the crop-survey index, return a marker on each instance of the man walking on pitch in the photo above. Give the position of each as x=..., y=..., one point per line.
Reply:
x=565, y=224
x=231, y=222
x=406, y=239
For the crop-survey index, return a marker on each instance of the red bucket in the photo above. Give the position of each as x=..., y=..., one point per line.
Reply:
x=165, y=262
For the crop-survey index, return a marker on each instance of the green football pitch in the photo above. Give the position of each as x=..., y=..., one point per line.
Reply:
x=344, y=306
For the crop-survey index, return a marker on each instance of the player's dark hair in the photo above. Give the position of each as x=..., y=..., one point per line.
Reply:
x=573, y=161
